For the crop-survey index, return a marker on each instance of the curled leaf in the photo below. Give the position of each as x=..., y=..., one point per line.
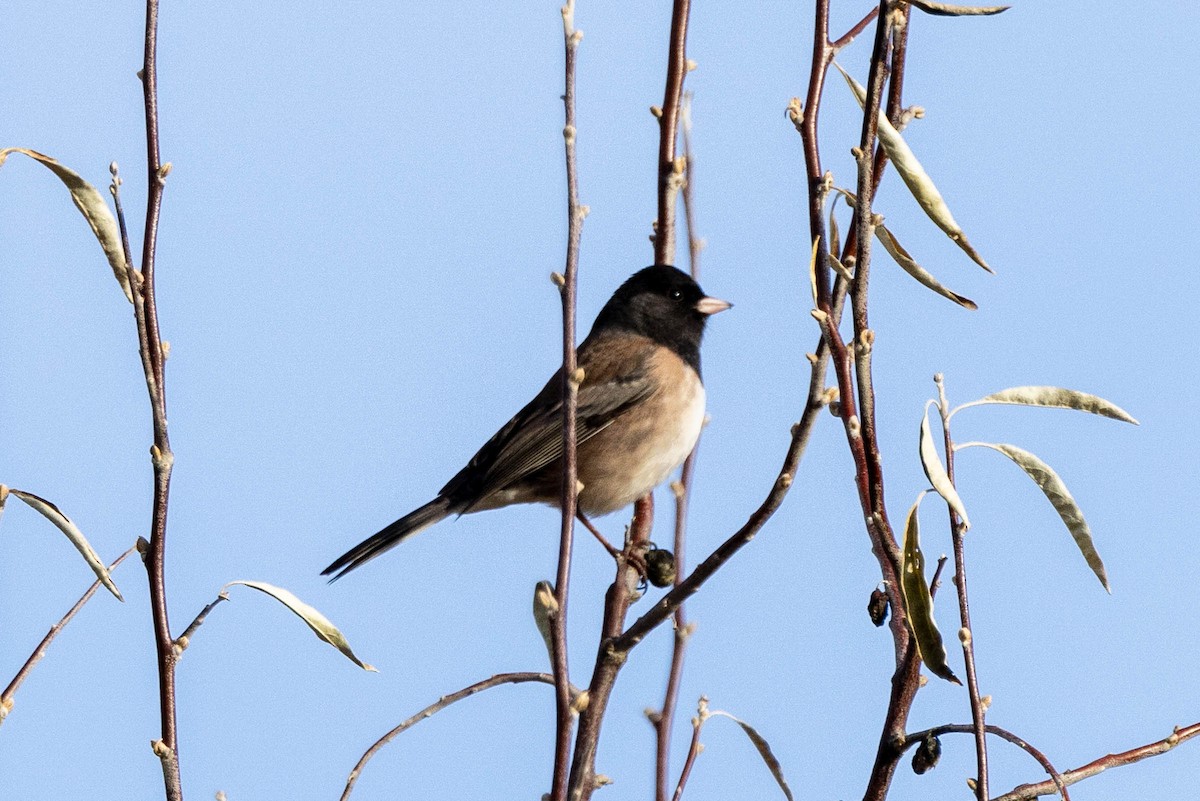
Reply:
x=915, y=177
x=94, y=208
x=918, y=600
x=64, y=524
x=812, y=270
x=316, y=621
x=910, y=266
x=1056, y=492
x=764, y=750
x=948, y=10
x=936, y=472
x=835, y=238
x=545, y=605
x=1055, y=397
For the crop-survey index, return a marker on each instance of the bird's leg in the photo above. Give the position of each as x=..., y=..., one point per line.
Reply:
x=636, y=560
x=608, y=546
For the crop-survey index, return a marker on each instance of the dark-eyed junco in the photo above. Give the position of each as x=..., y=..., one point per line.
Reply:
x=640, y=409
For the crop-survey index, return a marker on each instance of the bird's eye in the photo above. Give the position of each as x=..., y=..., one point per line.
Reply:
x=676, y=294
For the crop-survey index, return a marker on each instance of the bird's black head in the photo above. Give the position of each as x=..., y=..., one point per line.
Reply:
x=665, y=305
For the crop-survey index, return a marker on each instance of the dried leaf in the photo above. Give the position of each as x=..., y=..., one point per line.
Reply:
x=835, y=238
x=764, y=751
x=948, y=10
x=544, y=605
x=1055, y=397
x=915, y=177
x=936, y=472
x=910, y=266
x=812, y=270
x=1058, y=495
x=918, y=601
x=320, y=624
x=94, y=208
x=64, y=524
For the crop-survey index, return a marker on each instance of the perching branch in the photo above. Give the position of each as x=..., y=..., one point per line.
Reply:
x=564, y=718
x=433, y=709
x=6, y=697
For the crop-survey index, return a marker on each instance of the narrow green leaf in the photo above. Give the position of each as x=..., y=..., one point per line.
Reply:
x=1055, y=397
x=316, y=621
x=910, y=266
x=764, y=751
x=948, y=10
x=94, y=208
x=918, y=600
x=935, y=471
x=915, y=177
x=1056, y=492
x=64, y=524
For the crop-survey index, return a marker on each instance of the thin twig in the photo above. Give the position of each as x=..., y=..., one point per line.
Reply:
x=966, y=633
x=433, y=709
x=564, y=720
x=153, y=361
x=609, y=659
x=1056, y=779
x=183, y=640
x=694, y=750
x=664, y=719
x=670, y=170
x=6, y=697
x=1027, y=792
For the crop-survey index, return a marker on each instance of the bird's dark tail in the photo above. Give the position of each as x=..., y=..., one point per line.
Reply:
x=412, y=523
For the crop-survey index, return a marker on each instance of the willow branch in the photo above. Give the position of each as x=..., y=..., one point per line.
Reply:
x=694, y=750
x=564, y=721
x=966, y=633
x=1056, y=779
x=6, y=697
x=1027, y=792
x=670, y=170
x=433, y=709
x=664, y=719
x=153, y=354
x=609, y=659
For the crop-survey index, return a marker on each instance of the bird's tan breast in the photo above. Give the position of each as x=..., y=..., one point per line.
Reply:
x=640, y=449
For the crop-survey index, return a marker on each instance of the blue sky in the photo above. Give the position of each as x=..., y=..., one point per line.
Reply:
x=365, y=205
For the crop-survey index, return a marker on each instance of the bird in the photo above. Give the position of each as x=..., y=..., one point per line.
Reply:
x=640, y=408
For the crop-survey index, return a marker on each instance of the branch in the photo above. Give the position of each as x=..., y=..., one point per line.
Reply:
x=6, y=697
x=670, y=171
x=571, y=380
x=664, y=719
x=694, y=750
x=153, y=353
x=966, y=633
x=1056, y=780
x=433, y=709
x=1026, y=792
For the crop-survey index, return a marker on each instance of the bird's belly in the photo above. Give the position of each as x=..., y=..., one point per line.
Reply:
x=629, y=459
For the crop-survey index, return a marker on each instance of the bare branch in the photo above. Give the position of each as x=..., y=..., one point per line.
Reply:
x=6, y=697
x=670, y=171
x=433, y=709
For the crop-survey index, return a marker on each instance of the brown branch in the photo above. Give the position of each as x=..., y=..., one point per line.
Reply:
x=664, y=719
x=694, y=750
x=6, y=697
x=433, y=709
x=670, y=171
x=184, y=640
x=153, y=355
x=564, y=718
x=1056, y=779
x=609, y=659
x=1026, y=792
x=966, y=633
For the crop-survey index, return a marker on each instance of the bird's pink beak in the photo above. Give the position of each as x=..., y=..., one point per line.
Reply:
x=709, y=306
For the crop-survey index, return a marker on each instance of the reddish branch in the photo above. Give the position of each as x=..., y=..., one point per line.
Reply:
x=153, y=360
x=669, y=171
x=570, y=388
x=40, y=651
